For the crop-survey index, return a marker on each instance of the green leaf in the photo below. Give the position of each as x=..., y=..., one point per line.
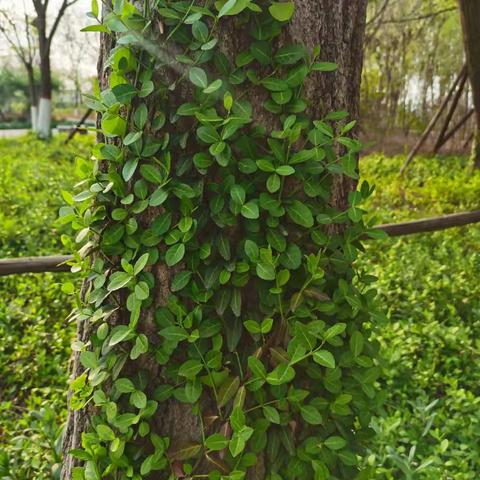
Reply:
x=141, y=115
x=275, y=84
x=265, y=271
x=290, y=54
x=198, y=77
x=324, y=358
x=140, y=346
x=138, y=399
x=158, y=197
x=208, y=134
x=324, y=66
x=88, y=359
x=113, y=125
x=311, y=415
x=300, y=214
x=265, y=165
x=285, y=170
x=95, y=28
x=251, y=249
x=140, y=263
x=185, y=452
x=283, y=373
x=174, y=333
x=151, y=173
x=229, y=4
x=356, y=343
x=124, y=385
x=200, y=31
x=91, y=471
x=124, y=93
x=142, y=291
x=236, y=445
x=283, y=97
x=237, y=193
x=271, y=414
x=213, y=87
x=147, y=89
x=174, y=254
x=216, y=442
x=118, y=280
x=129, y=169
x=181, y=280
x=335, y=330
x=281, y=11
x=250, y=210
x=273, y=183
x=335, y=442
x=190, y=369
x=119, y=334
x=228, y=390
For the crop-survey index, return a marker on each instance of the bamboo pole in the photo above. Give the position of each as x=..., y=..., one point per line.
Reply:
x=55, y=263
x=432, y=123
x=440, y=140
x=455, y=128
x=430, y=224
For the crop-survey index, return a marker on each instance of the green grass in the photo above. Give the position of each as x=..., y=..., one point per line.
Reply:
x=36, y=338
x=429, y=286
x=430, y=423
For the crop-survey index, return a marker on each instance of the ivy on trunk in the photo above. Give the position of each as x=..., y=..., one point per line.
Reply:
x=223, y=331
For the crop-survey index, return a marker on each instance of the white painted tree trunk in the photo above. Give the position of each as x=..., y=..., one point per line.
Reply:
x=33, y=117
x=44, y=118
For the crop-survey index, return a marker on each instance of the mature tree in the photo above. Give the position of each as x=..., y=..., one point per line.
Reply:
x=45, y=38
x=470, y=17
x=21, y=39
x=231, y=271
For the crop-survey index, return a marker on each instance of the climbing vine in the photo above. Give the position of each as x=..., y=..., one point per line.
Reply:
x=222, y=276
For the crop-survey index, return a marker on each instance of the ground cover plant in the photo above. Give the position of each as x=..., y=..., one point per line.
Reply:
x=429, y=285
x=36, y=339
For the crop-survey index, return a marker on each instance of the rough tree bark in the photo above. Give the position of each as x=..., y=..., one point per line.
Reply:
x=470, y=18
x=337, y=26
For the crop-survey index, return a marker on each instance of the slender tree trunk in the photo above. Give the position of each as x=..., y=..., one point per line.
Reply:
x=337, y=26
x=470, y=18
x=45, y=101
x=33, y=95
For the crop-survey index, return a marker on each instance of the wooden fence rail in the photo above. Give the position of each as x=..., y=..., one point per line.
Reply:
x=57, y=263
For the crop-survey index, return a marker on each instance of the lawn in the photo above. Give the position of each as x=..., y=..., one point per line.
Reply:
x=35, y=336
x=430, y=420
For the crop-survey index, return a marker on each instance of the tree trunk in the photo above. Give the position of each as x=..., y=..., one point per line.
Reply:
x=45, y=101
x=338, y=28
x=33, y=95
x=470, y=18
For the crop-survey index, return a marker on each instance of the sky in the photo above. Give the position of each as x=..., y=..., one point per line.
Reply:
x=73, y=52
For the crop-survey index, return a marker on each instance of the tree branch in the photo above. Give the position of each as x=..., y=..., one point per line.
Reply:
x=61, y=12
x=419, y=17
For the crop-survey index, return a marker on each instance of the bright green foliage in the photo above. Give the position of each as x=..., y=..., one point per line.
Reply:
x=429, y=283
x=267, y=324
x=36, y=339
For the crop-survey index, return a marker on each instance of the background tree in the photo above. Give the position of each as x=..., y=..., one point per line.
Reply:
x=19, y=35
x=336, y=28
x=45, y=37
x=413, y=53
x=470, y=18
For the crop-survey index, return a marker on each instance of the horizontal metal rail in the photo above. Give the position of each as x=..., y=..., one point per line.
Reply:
x=57, y=263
